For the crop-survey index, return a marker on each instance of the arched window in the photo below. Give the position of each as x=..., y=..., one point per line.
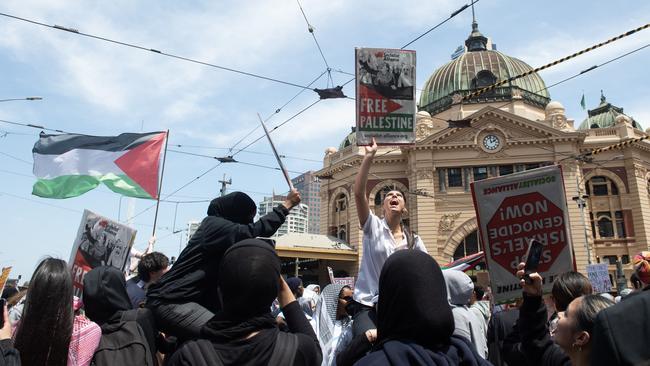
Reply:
x=342, y=233
x=606, y=226
x=470, y=245
x=341, y=217
x=341, y=203
x=601, y=186
x=381, y=194
x=484, y=78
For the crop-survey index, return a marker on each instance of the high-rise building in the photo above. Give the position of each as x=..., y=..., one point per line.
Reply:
x=309, y=187
x=192, y=226
x=297, y=221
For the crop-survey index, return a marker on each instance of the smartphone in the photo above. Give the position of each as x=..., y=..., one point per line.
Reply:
x=533, y=256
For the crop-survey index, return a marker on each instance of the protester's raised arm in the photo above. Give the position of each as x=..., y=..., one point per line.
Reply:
x=360, y=195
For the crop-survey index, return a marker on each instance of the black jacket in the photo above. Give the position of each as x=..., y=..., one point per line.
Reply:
x=193, y=277
x=256, y=350
x=536, y=342
x=105, y=299
x=622, y=332
x=504, y=343
x=459, y=352
x=9, y=356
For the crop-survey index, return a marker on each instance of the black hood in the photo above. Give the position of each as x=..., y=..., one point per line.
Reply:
x=105, y=294
x=413, y=301
x=248, y=278
x=236, y=207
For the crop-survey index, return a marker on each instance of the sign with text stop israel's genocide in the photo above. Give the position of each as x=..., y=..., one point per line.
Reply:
x=385, y=84
x=514, y=209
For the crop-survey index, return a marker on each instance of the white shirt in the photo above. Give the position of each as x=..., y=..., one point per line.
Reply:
x=378, y=244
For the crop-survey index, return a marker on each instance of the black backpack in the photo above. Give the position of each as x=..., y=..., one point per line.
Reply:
x=124, y=343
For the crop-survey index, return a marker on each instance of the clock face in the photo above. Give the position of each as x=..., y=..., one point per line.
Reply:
x=491, y=142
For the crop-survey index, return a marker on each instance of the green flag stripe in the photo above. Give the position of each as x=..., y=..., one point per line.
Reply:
x=68, y=186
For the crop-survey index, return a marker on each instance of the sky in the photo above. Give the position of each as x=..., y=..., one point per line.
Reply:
x=99, y=88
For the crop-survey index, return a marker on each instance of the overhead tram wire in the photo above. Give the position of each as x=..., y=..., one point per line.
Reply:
x=219, y=164
x=566, y=79
x=290, y=118
x=310, y=29
x=568, y=156
x=155, y=51
x=246, y=151
x=455, y=13
x=460, y=10
x=556, y=62
x=234, y=162
x=278, y=110
x=592, y=68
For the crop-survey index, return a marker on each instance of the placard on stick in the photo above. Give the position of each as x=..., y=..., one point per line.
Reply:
x=99, y=242
x=598, y=275
x=385, y=91
x=513, y=209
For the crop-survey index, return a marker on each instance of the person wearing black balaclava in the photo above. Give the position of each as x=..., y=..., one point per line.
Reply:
x=244, y=332
x=185, y=297
x=105, y=299
x=415, y=324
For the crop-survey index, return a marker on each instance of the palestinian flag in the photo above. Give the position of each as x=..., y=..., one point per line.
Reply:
x=70, y=165
x=466, y=263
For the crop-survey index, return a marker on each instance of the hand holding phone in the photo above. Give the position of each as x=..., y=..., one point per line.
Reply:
x=533, y=256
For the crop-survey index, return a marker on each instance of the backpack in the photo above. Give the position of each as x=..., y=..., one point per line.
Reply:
x=124, y=343
x=202, y=353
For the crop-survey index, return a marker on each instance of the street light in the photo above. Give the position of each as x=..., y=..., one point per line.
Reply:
x=27, y=98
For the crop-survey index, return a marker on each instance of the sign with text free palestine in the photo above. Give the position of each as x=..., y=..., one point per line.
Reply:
x=513, y=209
x=385, y=96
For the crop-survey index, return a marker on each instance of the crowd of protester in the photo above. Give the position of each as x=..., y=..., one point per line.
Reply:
x=225, y=302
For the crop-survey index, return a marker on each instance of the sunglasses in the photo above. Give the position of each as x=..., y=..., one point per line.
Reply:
x=346, y=298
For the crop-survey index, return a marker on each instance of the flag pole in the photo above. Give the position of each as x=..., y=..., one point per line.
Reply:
x=162, y=175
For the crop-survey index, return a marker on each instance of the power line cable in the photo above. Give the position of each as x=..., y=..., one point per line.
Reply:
x=277, y=110
x=460, y=10
x=232, y=162
x=310, y=28
x=219, y=164
x=16, y=158
x=246, y=151
x=554, y=63
x=131, y=45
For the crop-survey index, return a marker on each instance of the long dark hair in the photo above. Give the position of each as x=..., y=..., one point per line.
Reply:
x=43, y=335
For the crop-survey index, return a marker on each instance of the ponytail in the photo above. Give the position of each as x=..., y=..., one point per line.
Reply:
x=410, y=236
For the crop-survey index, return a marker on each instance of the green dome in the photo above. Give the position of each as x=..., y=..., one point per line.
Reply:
x=477, y=68
x=350, y=139
x=604, y=116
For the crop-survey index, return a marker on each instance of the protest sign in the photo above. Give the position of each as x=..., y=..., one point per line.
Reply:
x=513, y=209
x=345, y=281
x=385, y=90
x=598, y=275
x=99, y=242
x=4, y=277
